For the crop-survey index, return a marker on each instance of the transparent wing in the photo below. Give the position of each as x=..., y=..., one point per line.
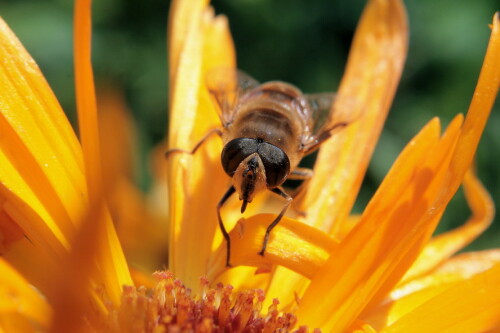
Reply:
x=329, y=112
x=320, y=106
x=227, y=85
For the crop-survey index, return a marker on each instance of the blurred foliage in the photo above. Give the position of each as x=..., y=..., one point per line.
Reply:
x=305, y=43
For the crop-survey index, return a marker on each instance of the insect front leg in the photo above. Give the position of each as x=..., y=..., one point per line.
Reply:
x=224, y=198
x=289, y=200
x=304, y=174
x=213, y=131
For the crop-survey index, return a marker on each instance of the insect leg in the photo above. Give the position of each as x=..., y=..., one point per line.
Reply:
x=224, y=198
x=301, y=174
x=217, y=131
x=305, y=175
x=289, y=199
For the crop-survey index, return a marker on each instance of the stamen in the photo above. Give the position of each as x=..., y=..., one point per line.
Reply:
x=171, y=307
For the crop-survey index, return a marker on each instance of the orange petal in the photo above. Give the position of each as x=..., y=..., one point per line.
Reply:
x=134, y=217
x=117, y=130
x=86, y=100
x=373, y=70
x=196, y=183
x=470, y=305
x=344, y=285
x=410, y=209
x=112, y=263
x=96, y=258
x=18, y=297
x=482, y=101
x=448, y=243
x=410, y=296
x=10, y=232
x=292, y=244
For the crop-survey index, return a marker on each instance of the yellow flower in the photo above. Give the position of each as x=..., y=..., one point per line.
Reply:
x=382, y=271
x=332, y=271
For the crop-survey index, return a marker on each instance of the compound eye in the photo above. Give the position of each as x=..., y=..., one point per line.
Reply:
x=236, y=151
x=275, y=162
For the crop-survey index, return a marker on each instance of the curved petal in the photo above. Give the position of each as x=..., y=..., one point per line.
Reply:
x=445, y=245
x=410, y=296
x=196, y=182
x=368, y=86
x=479, y=110
x=404, y=214
x=346, y=286
x=292, y=244
x=470, y=305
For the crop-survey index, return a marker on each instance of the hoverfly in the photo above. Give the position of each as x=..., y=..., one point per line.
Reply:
x=266, y=130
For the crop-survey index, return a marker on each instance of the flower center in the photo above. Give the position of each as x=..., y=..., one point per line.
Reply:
x=170, y=307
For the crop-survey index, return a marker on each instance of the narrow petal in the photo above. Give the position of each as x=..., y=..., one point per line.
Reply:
x=410, y=296
x=470, y=305
x=368, y=86
x=111, y=261
x=479, y=110
x=197, y=182
x=445, y=245
x=17, y=297
x=86, y=100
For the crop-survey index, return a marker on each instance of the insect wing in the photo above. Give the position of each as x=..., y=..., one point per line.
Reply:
x=319, y=106
x=330, y=112
x=227, y=85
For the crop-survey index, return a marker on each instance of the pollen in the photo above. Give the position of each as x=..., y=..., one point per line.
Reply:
x=170, y=306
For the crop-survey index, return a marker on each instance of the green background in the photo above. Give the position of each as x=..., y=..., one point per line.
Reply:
x=302, y=42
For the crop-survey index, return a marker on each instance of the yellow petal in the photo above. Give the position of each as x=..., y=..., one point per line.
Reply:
x=40, y=159
x=373, y=70
x=410, y=296
x=196, y=183
x=17, y=297
x=470, y=305
x=292, y=244
x=183, y=16
x=42, y=186
x=448, y=243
